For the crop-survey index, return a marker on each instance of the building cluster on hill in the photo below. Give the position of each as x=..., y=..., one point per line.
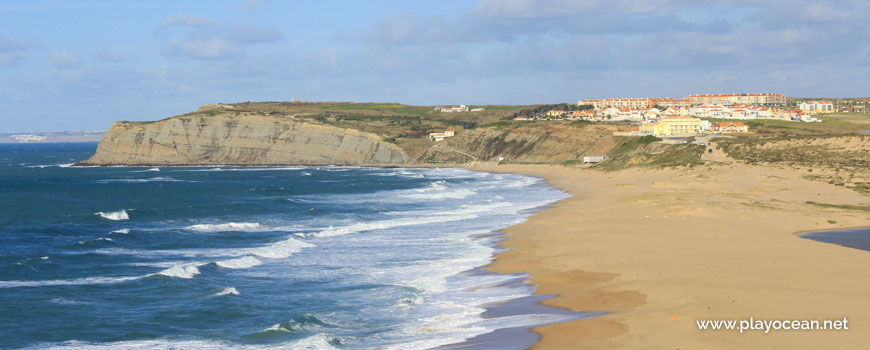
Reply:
x=719, y=106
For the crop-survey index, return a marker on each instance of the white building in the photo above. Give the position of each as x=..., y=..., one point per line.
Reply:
x=454, y=109
x=440, y=136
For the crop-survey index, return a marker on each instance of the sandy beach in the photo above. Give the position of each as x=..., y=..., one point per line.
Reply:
x=659, y=249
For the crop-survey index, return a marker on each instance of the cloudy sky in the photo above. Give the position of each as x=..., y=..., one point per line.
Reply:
x=80, y=65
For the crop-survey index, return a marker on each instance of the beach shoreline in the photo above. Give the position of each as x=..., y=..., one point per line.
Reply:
x=657, y=249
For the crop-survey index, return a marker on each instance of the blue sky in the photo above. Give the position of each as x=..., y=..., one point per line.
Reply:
x=80, y=65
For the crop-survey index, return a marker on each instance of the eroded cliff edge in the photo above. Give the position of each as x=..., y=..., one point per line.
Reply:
x=225, y=139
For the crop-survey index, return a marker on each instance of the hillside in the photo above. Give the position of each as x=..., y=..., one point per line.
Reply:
x=387, y=134
x=273, y=133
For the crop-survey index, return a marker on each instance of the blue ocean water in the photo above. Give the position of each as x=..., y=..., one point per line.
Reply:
x=858, y=238
x=232, y=257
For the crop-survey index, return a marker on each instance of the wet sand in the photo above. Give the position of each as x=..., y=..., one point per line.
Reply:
x=657, y=250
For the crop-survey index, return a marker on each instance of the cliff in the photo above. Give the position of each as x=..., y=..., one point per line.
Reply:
x=248, y=139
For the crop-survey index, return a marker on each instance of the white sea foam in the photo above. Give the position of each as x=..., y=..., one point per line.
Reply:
x=152, y=179
x=386, y=224
x=239, y=263
x=277, y=250
x=115, y=215
x=280, y=249
x=123, y=231
x=228, y=291
x=264, y=168
x=105, y=239
x=315, y=342
x=276, y=328
x=67, y=282
x=320, y=341
x=153, y=169
x=180, y=271
x=230, y=226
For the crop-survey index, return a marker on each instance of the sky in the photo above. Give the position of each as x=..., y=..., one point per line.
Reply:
x=81, y=65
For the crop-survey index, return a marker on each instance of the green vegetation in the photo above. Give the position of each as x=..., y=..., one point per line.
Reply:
x=543, y=109
x=392, y=121
x=840, y=206
x=644, y=152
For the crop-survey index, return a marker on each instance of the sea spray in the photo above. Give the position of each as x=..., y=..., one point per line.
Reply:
x=115, y=215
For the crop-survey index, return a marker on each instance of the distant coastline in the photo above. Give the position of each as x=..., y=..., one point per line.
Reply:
x=52, y=137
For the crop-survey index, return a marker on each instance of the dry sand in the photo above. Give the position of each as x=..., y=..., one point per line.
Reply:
x=659, y=249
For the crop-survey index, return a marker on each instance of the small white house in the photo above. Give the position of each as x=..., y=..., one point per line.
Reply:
x=440, y=136
x=593, y=159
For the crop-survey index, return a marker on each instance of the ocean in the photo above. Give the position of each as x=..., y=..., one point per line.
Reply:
x=256, y=257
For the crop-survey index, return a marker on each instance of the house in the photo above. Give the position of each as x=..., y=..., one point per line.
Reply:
x=672, y=126
x=816, y=107
x=730, y=127
x=763, y=99
x=440, y=136
x=437, y=136
x=581, y=115
x=478, y=109
x=555, y=113
x=594, y=159
x=520, y=117
x=596, y=104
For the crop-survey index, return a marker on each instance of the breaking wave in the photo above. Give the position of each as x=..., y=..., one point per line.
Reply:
x=230, y=226
x=228, y=291
x=180, y=271
x=239, y=263
x=115, y=215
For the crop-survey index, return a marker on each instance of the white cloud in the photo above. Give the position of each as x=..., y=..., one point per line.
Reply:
x=208, y=49
x=63, y=59
x=205, y=39
x=187, y=20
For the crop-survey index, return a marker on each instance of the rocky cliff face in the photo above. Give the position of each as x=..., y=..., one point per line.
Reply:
x=223, y=139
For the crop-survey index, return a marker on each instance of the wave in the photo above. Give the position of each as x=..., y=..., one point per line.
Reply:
x=228, y=291
x=136, y=181
x=239, y=263
x=307, y=324
x=264, y=168
x=279, y=250
x=231, y=226
x=41, y=166
x=314, y=342
x=386, y=224
x=96, y=240
x=123, y=231
x=180, y=271
x=115, y=215
x=68, y=282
